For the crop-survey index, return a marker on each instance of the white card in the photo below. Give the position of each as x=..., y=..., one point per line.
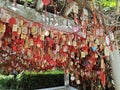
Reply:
x=85, y=11
x=14, y=29
x=76, y=9
x=82, y=54
x=24, y=30
x=107, y=40
x=97, y=32
x=106, y=51
x=101, y=32
x=111, y=36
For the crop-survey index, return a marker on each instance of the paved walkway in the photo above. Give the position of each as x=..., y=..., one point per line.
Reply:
x=59, y=88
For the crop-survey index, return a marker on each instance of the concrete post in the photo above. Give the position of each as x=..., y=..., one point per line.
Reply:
x=115, y=63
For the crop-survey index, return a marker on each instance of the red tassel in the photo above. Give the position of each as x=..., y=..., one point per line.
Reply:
x=75, y=18
x=102, y=77
x=55, y=11
x=95, y=23
x=95, y=20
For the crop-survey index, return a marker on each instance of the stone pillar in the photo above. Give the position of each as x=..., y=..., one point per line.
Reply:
x=66, y=79
x=115, y=63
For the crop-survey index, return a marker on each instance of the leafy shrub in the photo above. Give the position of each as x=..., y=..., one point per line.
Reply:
x=32, y=80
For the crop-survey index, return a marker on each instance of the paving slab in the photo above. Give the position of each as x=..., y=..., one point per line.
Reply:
x=59, y=88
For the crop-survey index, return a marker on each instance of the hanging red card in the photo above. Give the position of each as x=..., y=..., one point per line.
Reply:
x=46, y=2
x=12, y=20
x=85, y=48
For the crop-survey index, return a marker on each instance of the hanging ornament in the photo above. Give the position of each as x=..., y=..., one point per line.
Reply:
x=65, y=48
x=111, y=36
x=83, y=55
x=46, y=33
x=78, y=81
x=106, y=51
x=19, y=30
x=75, y=18
x=73, y=55
x=94, y=48
x=34, y=29
x=2, y=28
x=85, y=48
x=46, y=2
x=14, y=29
x=75, y=28
x=107, y=40
x=69, y=8
x=102, y=65
x=75, y=10
x=71, y=63
x=95, y=18
x=85, y=11
x=0, y=43
x=24, y=30
x=74, y=42
x=39, y=5
x=12, y=21
x=69, y=42
x=111, y=47
x=72, y=78
x=97, y=41
x=102, y=77
x=95, y=23
x=57, y=48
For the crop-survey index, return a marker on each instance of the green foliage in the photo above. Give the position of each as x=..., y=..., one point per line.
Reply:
x=108, y=3
x=28, y=0
x=32, y=80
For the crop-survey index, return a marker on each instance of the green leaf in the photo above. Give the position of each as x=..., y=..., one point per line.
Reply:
x=28, y=0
